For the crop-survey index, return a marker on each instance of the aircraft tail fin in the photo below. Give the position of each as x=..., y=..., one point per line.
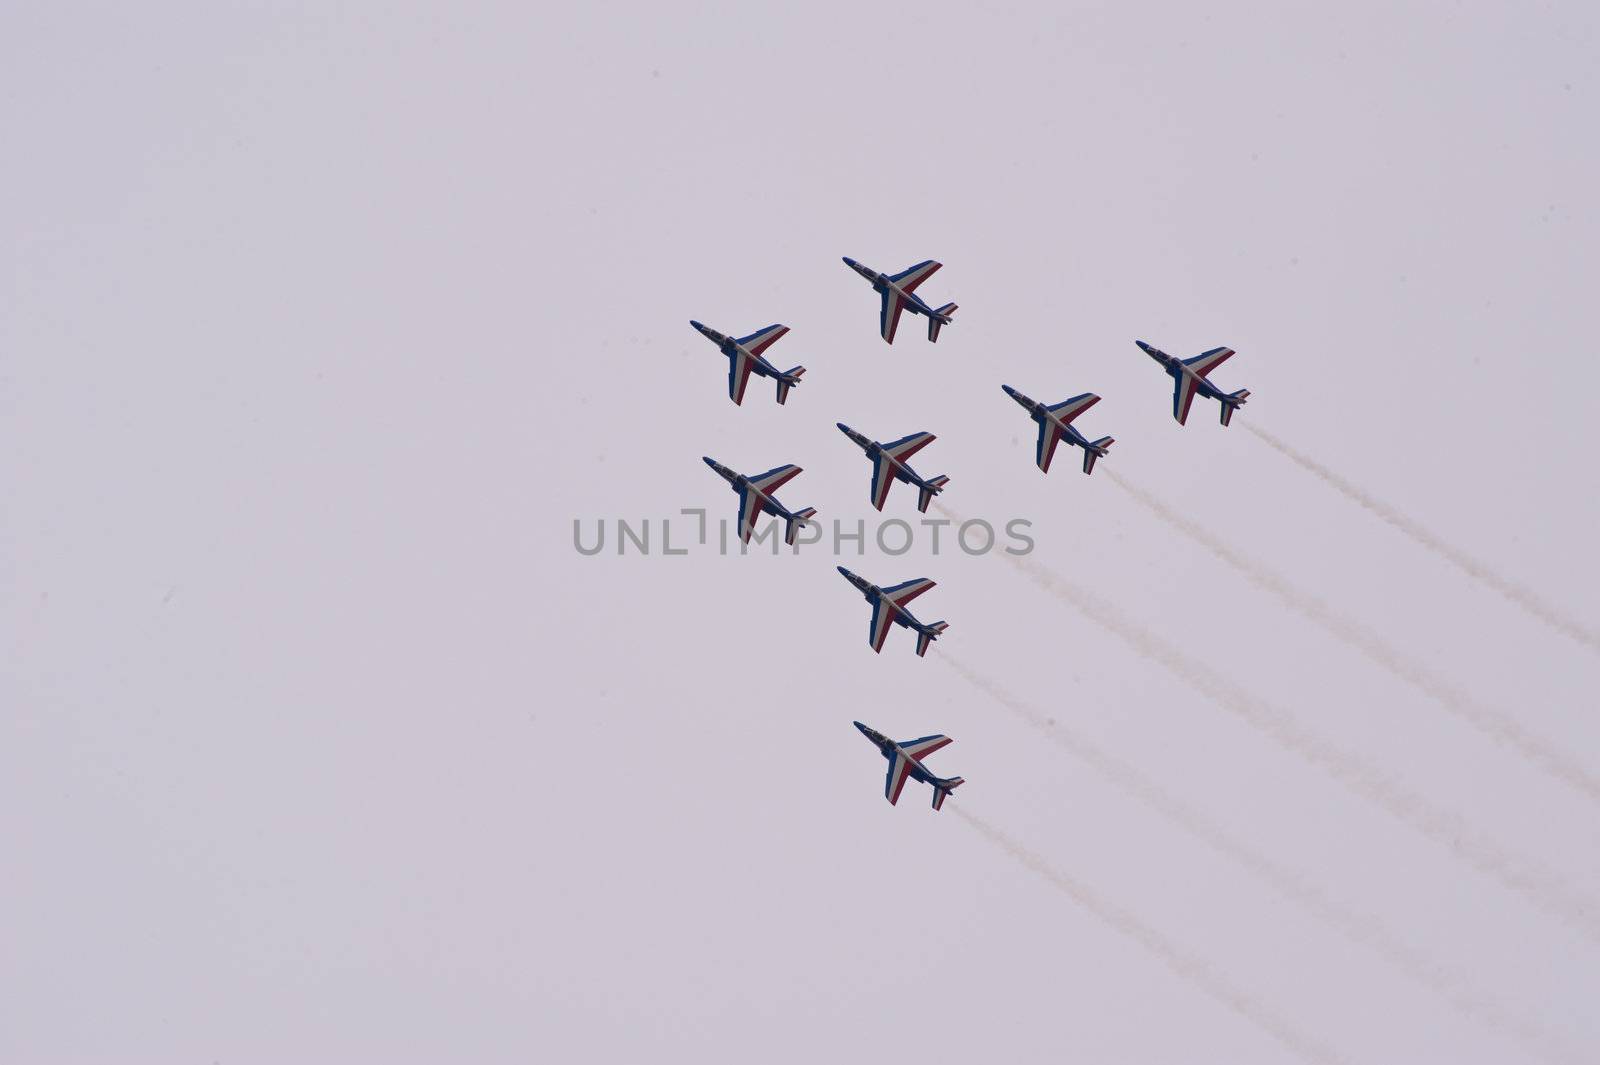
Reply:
x=1232, y=401
x=789, y=379
x=937, y=320
x=943, y=788
x=1095, y=450
x=928, y=634
x=931, y=489
x=792, y=523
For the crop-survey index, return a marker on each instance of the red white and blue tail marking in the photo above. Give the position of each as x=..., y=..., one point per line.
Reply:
x=794, y=521
x=1232, y=402
x=789, y=379
x=1095, y=450
x=943, y=788
x=927, y=637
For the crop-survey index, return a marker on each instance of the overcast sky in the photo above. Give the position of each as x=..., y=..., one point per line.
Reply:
x=319, y=741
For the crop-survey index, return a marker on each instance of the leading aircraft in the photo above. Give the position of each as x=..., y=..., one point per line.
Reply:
x=1056, y=422
x=1189, y=377
x=744, y=357
x=889, y=464
x=899, y=293
x=756, y=498
x=889, y=605
x=905, y=760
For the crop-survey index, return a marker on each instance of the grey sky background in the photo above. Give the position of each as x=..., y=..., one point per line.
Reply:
x=321, y=742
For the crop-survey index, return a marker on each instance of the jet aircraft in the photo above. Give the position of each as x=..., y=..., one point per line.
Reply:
x=756, y=497
x=889, y=464
x=1055, y=424
x=899, y=293
x=1189, y=377
x=905, y=760
x=745, y=357
x=889, y=605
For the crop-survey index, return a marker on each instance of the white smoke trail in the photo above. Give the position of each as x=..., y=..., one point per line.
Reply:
x=1194, y=969
x=1519, y=595
x=1539, y=886
x=1359, y=928
x=1354, y=634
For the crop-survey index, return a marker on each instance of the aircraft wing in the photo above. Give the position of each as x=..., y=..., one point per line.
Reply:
x=899, y=769
x=920, y=749
x=762, y=339
x=912, y=276
x=739, y=366
x=775, y=478
x=901, y=594
x=907, y=446
x=883, y=613
x=1205, y=363
x=1069, y=409
x=882, y=478
x=749, y=513
x=1049, y=437
x=1183, y=390
x=889, y=316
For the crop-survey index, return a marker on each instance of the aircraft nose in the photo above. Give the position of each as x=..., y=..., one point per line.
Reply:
x=864, y=730
x=850, y=262
x=843, y=428
x=1143, y=346
x=846, y=573
x=1008, y=390
x=709, y=461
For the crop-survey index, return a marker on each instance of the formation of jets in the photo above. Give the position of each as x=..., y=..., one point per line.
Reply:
x=891, y=462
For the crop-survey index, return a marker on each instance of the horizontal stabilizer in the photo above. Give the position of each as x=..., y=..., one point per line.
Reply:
x=1094, y=451
x=789, y=379
x=927, y=636
x=793, y=522
x=937, y=320
x=942, y=789
x=1232, y=401
x=926, y=494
